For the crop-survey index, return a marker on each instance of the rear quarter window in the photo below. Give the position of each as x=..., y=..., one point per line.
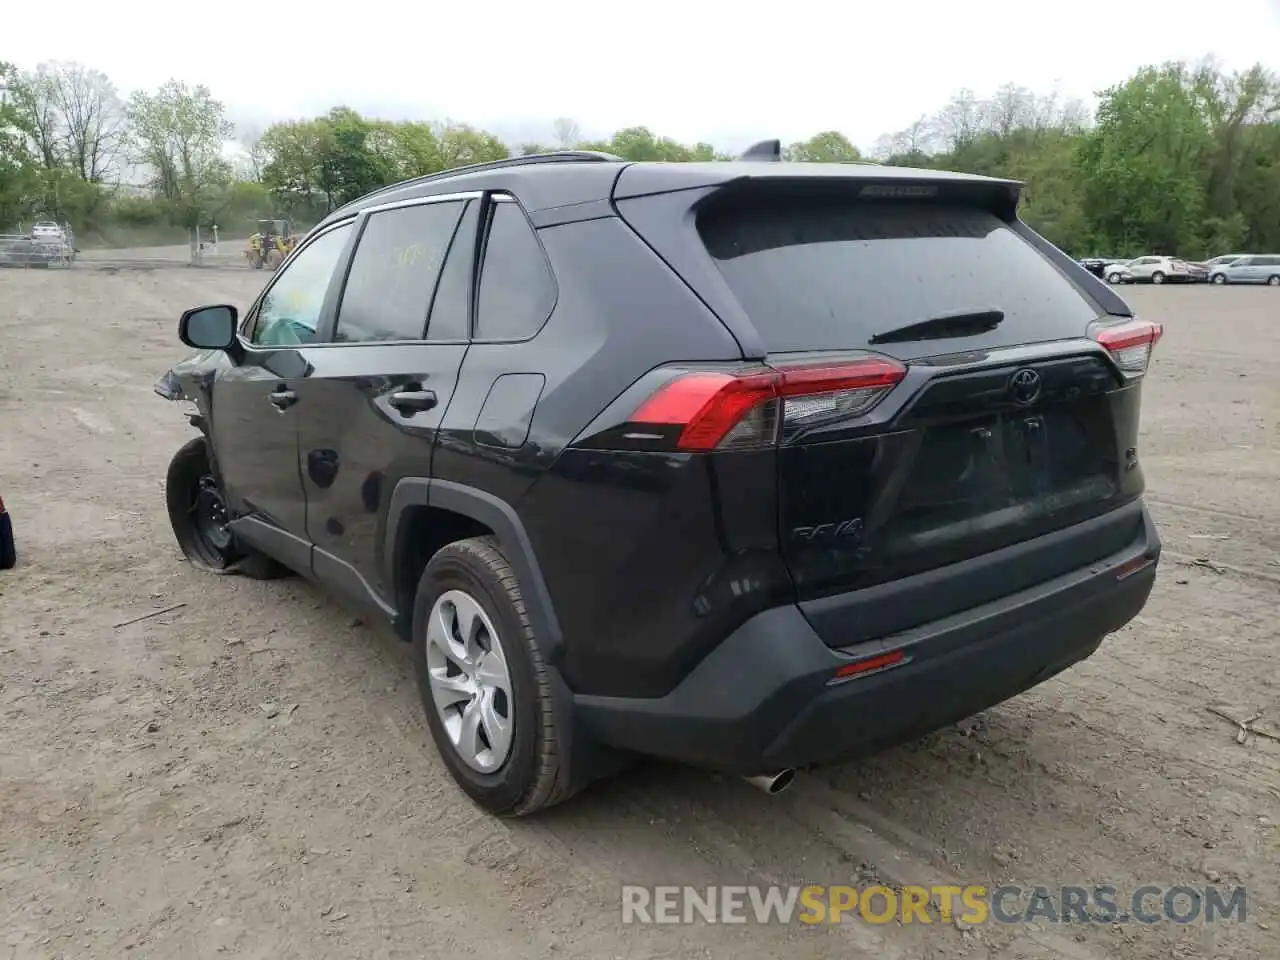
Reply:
x=830, y=273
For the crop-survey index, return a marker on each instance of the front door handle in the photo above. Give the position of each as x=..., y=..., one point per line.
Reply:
x=409, y=402
x=282, y=399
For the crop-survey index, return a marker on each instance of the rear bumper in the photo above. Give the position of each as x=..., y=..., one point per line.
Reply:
x=764, y=699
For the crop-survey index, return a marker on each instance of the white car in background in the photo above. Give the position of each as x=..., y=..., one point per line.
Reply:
x=51, y=243
x=1150, y=270
x=46, y=231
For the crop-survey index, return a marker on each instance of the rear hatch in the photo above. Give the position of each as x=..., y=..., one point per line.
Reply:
x=970, y=434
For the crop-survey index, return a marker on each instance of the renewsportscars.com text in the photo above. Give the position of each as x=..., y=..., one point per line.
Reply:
x=974, y=904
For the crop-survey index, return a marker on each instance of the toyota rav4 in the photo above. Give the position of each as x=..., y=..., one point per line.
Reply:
x=751, y=465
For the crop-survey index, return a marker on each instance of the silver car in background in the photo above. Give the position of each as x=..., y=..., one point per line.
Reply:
x=1254, y=268
x=1223, y=260
x=1149, y=270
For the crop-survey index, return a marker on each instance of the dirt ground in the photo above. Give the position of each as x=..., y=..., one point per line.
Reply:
x=150, y=807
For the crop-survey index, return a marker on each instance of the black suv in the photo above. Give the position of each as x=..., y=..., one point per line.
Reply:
x=749, y=464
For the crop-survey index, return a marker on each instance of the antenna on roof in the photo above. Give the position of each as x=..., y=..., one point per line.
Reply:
x=769, y=151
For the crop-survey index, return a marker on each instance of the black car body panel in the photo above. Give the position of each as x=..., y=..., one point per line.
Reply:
x=939, y=519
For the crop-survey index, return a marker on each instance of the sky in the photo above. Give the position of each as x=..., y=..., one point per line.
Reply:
x=691, y=70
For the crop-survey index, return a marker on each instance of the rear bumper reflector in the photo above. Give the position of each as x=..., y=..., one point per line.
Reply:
x=868, y=665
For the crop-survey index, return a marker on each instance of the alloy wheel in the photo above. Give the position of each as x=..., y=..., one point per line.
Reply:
x=470, y=681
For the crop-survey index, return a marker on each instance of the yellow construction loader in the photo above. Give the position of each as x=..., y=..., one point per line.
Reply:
x=270, y=245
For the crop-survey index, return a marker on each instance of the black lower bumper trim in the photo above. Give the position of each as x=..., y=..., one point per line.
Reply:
x=763, y=701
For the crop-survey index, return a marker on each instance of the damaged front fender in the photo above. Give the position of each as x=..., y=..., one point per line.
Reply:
x=169, y=387
x=191, y=379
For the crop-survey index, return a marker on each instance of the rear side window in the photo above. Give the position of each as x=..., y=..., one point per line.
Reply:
x=517, y=291
x=394, y=272
x=832, y=272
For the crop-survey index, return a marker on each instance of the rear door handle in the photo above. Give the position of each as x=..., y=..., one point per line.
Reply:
x=409, y=402
x=282, y=399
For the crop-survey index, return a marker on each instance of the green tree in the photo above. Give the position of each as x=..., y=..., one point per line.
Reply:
x=350, y=166
x=461, y=144
x=293, y=152
x=179, y=133
x=1143, y=163
x=640, y=143
x=830, y=146
x=19, y=167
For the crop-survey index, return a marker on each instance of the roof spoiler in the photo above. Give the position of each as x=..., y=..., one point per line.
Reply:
x=769, y=151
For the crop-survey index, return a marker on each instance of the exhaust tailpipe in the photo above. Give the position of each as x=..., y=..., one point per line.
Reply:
x=773, y=783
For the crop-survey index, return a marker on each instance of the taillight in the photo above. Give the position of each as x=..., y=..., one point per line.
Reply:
x=722, y=411
x=1130, y=344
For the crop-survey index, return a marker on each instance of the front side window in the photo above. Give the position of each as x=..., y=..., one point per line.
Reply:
x=289, y=312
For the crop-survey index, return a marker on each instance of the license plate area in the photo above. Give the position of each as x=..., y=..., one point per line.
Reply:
x=1012, y=466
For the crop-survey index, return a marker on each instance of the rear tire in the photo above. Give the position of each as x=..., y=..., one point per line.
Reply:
x=1113, y=278
x=1273, y=280
x=199, y=517
x=521, y=767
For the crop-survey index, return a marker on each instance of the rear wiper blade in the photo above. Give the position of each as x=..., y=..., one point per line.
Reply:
x=967, y=323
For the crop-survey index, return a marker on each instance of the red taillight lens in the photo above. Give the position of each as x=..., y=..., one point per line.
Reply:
x=719, y=411
x=1130, y=344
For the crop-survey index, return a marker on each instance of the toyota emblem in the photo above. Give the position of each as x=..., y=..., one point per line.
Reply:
x=1024, y=387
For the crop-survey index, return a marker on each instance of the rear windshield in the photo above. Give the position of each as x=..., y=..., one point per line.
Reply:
x=827, y=273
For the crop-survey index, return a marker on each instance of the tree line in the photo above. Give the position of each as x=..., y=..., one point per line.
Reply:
x=1182, y=158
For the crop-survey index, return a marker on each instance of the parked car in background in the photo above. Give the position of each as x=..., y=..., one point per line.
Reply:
x=1198, y=272
x=1098, y=265
x=1150, y=270
x=1257, y=268
x=1223, y=260
x=45, y=244
x=46, y=231
x=1117, y=272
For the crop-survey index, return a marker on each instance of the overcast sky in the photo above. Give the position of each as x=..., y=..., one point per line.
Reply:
x=692, y=70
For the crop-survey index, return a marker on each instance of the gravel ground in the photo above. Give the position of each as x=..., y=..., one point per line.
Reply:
x=150, y=807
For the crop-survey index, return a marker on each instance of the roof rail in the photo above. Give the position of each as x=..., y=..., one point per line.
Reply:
x=556, y=156
x=769, y=151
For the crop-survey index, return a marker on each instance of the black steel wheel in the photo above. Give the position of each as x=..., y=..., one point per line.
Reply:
x=201, y=521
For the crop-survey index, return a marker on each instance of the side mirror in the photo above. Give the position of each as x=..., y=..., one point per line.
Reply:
x=209, y=328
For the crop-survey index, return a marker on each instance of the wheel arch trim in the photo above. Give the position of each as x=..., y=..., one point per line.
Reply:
x=500, y=517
